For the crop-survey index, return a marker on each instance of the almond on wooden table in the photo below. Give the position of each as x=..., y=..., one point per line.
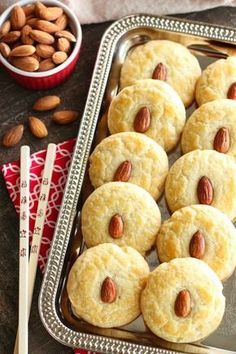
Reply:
x=17, y=18
x=23, y=50
x=5, y=50
x=46, y=64
x=42, y=37
x=13, y=136
x=37, y=127
x=5, y=28
x=65, y=117
x=59, y=57
x=66, y=34
x=25, y=63
x=25, y=35
x=46, y=103
x=44, y=50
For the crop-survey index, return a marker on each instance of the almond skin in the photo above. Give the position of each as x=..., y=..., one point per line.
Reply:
x=116, y=226
x=46, y=103
x=183, y=304
x=222, y=140
x=232, y=92
x=160, y=72
x=42, y=37
x=37, y=127
x=25, y=35
x=59, y=57
x=65, y=117
x=197, y=245
x=205, y=191
x=45, y=51
x=18, y=18
x=28, y=9
x=5, y=28
x=108, y=291
x=13, y=136
x=23, y=50
x=142, y=120
x=123, y=172
x=38, y=8
x=25, y=63
x=46, y=64
x=11, y=37
x=63, y=45
x=66, y=34
x=62, y=22
x=46, y=26
x=5, y=50
x=50, y=13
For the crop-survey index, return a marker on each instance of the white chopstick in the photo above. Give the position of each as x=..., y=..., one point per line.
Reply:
x=38, y=227
x=24, y=248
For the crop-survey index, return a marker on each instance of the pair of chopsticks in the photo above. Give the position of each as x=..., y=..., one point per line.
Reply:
x=28, y=265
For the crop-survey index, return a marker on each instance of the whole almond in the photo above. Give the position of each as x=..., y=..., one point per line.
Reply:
x=64, y=117
x=62, y=22
x=5, y=28
x=25, y=35
x=50, y=13
x=160, y=72
x=42, y=37
x=38, y=8
x=142, y=120
x=183, y=303
x=205, y=191
x=32, y=22
x=44, y=50
x=28, y=9
x=25, y=63
x=37, y=127
x=17, y=18
x=123, y=172
x=59, y=57
x=63, y=45
x=13, y=136
x=5, y=50
x=46, y=26
x=23, y=51
x=11, y=37
x=116, y=226
x=232, y=92
x=222, y=140
x=197, y=245
x=66, y=34
x=108, y=291
x=46, y=64
x=46, y=103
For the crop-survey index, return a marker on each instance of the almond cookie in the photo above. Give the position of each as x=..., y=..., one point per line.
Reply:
x=202, y=232
x=105, y=284
x=212, y=126
x=121, y=213
x=164, y=60
x=129, y=157
x=183, y=301
x=151, y=107
x=217, y=81
x=203, y=177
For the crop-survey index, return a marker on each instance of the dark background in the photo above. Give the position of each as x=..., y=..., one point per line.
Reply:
x=15, y=107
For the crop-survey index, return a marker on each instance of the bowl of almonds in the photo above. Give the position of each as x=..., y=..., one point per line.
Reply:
x=39, y=42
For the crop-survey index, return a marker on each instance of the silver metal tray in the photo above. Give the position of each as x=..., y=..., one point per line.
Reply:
x=208, y=43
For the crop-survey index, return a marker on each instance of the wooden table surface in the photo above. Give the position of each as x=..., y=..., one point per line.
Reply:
x=15, y=107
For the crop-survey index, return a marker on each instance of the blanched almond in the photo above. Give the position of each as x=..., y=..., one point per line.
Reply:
x=25, y=63
x=25, y=35
x=5, y=28
x=5, y=50
x=63, y=45
x=65, y=117
x=11, y=37
x=46, y=26
x=17, y=18
x=46, y=103
x=66, y=34
x=46, y=64
x=44, y=50
x=50, y=13
x=59, y=57
x=62, y=22
x=42, y=37
x=23, y=51
x=37, y=127
x=13, y=136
